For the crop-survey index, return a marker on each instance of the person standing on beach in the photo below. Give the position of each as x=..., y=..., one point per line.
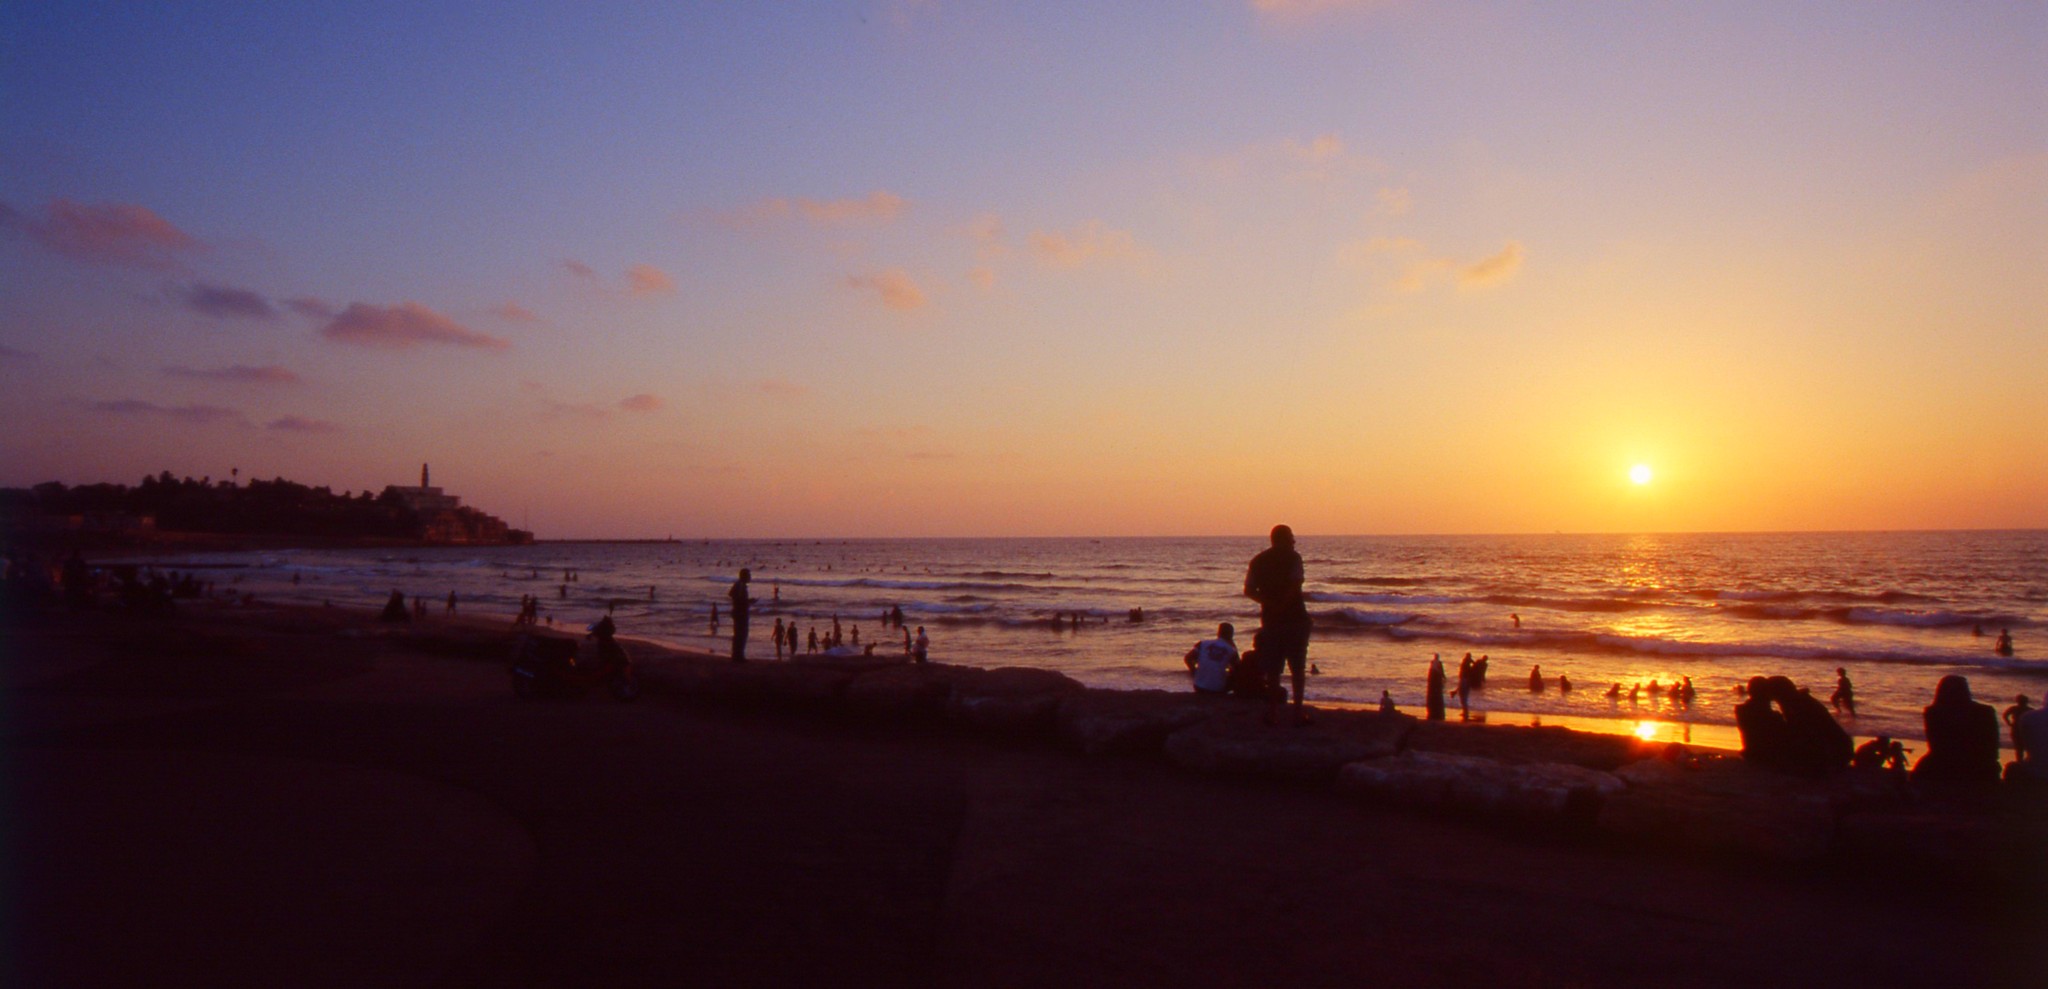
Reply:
x=741, y=601
x=1844, y=697
x=778, y=638
x=1434, y=699
x=2011, y=717
x=1274, y=580
x=923, y=648
x=451, y=602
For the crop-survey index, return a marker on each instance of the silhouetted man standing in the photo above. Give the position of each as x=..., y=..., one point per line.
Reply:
x=1274, y=581
x=741, y=601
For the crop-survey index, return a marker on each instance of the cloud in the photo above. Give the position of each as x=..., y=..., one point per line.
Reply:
x=642, y=402
x=222, y=302
x=983, y=277
x=895, y=286
x=646, y=279
x=196, y=415
x=300, y=424
x=1316, y=159
x=1090, y=243
x=780, y=388
x=106, y=233
x=11, y=355
x=310, y=307
x=1417, y=275
x=513, y=312
x=879, y=206
x=269, y=374
x=400, y=327
x=1493, y=270
x=554, y=408
x=1393, y=201
x=579, y=269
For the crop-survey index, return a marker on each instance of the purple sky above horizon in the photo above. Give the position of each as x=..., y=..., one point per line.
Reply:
x=939, y=268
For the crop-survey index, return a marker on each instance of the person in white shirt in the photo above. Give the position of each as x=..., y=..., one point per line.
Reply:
x=1211, y=660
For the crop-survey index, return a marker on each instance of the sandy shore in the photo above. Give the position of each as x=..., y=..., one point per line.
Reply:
x=293, y=797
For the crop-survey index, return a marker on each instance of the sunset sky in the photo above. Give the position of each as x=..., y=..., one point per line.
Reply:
x=957, y=268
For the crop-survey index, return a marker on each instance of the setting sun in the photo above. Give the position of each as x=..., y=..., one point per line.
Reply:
x=1640, y=473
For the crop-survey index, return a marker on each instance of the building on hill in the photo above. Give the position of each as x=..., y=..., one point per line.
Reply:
x=443, y=519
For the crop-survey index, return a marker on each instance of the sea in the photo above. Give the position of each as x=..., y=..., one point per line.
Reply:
x=1896, y=610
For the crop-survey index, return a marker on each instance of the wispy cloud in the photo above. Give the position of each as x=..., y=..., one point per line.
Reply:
x=781, y=388
x=12, y=355
x=513, y=312
x=646, y=279
x=106, y=233
x=310, y=307
x=579, y=269
x=222, y=302
x=195, y=415
x=880, y=206
x=402, y=326
x=1393, y=201
x=553, y=408
x=269, y=374
x=1419, y=269
x=983, y=277
x=642, y=402
x=894, y=287
x=300, y=424
x=1492, y=270
x=1092, y=242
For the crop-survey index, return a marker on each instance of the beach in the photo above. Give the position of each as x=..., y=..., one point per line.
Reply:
x=271, y=795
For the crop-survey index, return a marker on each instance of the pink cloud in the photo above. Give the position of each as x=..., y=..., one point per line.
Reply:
x=781, y=388
x=109, y=233
x=269, y=374
x=1090, y=243
x=554, y=408
x=895, y=287
x=646, y=279
x=310, y=307
x=983, y=277
x=400, y=327
x=300, y=424
x=1493, y=270
x=513, y=312
x=642, y=402
x=222, y=302
x=197, y=415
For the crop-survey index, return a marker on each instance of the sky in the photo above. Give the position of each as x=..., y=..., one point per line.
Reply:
x=890, y=268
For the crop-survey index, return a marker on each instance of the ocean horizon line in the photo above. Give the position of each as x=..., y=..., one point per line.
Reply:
x=1309, y=532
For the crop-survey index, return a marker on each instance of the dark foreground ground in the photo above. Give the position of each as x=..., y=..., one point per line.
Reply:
x=228, y=800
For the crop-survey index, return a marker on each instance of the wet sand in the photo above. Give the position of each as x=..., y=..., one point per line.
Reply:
x=286, y=797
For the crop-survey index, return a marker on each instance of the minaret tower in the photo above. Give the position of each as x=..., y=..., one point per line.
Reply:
x=423, y=475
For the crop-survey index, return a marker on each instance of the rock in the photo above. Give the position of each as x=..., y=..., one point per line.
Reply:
x=1101, y=721
x=1762, y=822
x=1008, y=699
x=1239, y=744
x=769, y=685
x=1548, y=792
x=901, y=693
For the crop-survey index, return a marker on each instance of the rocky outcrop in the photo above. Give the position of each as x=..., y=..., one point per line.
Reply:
x=1009, y=699
x=1546, y=792
x=1105, y=721
x=903, y=692
x=1239, y=744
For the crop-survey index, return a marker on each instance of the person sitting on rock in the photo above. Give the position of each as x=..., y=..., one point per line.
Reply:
x=1387, y=702
x=1962, y=735
x=1766, y=737
x=1819, y=743
x=2031, y=730
x=1212, y=660
x=395, y=609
